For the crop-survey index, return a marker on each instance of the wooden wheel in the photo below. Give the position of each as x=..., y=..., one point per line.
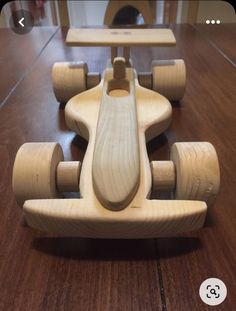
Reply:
x=169, y=78
x=34, y=171
x=69, y=79
x=197, y=171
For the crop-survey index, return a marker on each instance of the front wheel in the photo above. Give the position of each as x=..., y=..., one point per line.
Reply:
x=197, y=171
x=34, y=171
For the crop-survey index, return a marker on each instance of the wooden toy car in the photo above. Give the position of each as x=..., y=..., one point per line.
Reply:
x=118, y=114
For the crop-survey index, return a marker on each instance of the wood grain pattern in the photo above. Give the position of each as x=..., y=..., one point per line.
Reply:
x=120, y=37
x=34, y=42
x=163, y=176
x=116, y=164
x=142, y=218
x=197, y=171
x=201, y=115
x=34, y=171
x=41, y=271
x=48, y=272
x=67, y=176
x=221, y=37
x=169, y=78
x=68, y=79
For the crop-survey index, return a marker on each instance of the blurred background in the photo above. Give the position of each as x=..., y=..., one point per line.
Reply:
x=105, y=12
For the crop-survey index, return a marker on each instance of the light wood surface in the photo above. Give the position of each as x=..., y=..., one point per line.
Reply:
x=116, y=152
x=193, y=172
x=69, y=79
x=163, y=175
x=120, y=37
x=67, y=176
x=197, y=171
x=72, y=78
x=169, y=78
x=142, y=218
x=117, y=175
x=34, y=171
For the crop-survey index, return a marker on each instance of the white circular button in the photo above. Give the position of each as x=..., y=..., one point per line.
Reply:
x=218, y=21
x=213, y=291
x=207, y=21
x=213, y=21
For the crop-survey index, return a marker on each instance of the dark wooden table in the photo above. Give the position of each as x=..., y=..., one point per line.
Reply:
x=40, y=271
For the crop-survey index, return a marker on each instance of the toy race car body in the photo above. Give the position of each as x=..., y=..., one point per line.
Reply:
x=117, y=114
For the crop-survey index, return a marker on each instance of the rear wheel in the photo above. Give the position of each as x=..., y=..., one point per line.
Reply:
x=169, y=78
x=69, y=79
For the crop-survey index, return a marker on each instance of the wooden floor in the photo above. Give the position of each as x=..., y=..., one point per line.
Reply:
x=39, y=271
